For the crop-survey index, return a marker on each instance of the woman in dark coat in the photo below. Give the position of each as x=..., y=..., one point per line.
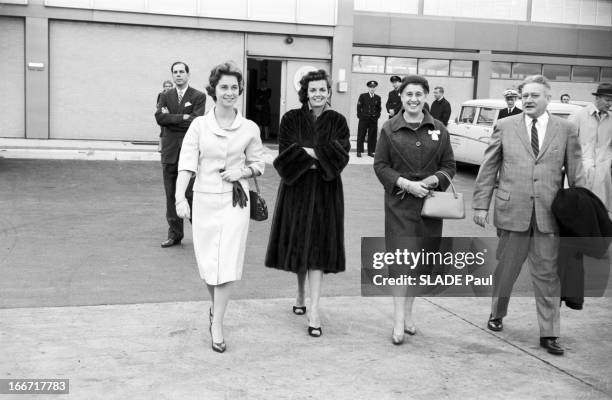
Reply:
x=412, y=155
x=307, y=235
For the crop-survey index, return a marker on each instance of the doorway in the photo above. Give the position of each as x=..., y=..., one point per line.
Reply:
x=264, y=96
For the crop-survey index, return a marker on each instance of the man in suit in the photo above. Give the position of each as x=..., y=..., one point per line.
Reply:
x=175, y=111
x=369, y=107
x=394, y=102
x=510, y=95
x=440, y=107
x=528, y=151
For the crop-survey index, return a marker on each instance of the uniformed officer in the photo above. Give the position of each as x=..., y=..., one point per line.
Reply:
x=510, y=96
x=369, y=107
x=394, y=103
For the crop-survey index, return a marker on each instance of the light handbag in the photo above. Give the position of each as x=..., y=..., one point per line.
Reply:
x=259, y=209
x=444, y=205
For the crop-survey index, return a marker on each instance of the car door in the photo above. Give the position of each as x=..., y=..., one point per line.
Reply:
x=460, y=133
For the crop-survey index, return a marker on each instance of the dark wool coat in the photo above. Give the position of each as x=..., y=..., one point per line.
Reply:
x=414, y=155
x=308, y=225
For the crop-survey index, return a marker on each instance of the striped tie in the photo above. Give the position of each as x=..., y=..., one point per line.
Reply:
x=180, y=97
x=534, y=138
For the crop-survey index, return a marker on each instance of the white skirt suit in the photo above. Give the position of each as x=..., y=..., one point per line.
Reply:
x=220, y=229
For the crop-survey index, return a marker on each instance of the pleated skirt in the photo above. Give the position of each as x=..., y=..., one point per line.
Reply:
x=219, y=236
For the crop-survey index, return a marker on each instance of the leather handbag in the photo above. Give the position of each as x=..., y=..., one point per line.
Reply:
x=259, y=209
x=444, y=205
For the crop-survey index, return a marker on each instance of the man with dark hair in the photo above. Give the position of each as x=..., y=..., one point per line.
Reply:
x=440, y=107
x=394, y=102
x=565, y=98
x=524, y=165
x=369, y=107
x=175, y=111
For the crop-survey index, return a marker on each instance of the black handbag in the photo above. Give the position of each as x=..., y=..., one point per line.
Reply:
x=259, y=209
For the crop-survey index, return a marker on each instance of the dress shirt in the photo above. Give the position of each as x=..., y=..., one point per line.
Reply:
x=540, y=126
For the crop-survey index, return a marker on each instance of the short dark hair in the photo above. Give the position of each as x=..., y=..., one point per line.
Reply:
x=563, y=95
x=179, y=62
x=415, y=80
x=312, y=76
x=226, y=68
x=440, y=88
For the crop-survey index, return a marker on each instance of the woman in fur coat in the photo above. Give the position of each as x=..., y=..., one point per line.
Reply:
x=307, y=235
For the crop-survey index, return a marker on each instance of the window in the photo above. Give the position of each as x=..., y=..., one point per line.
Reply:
x=591, y=12
x=369, y=64
x=461, y=68
x=557, y=72
x=489, y=9
x=467, y=114
x=522, y=70
x=606, y=74
x=500, y=70
x=433, y=67
x=487, y=116
x=585, y=74
x=401, y=66
x=390, y=6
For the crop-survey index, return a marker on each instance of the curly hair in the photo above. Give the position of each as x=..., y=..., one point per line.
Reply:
x=415, y=80
x=319, y=75
x=226, y=68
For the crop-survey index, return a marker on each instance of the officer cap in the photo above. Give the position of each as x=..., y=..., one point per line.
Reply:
x=395, y=78
x=510, y=93
x=372, y=84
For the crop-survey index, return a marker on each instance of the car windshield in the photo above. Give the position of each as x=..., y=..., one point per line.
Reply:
x=487, y=116
x=467, y=114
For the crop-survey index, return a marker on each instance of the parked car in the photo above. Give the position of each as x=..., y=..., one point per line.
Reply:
x=471, y=131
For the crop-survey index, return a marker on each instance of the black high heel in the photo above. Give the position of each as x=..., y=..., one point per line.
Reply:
x=299, y=310
x=315, y=332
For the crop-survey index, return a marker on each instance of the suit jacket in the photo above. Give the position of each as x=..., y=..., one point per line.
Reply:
x=441, y=110
x=174, y=126
x=503, y=113
x=369, y=107
x=394, y=102
x=525, y=181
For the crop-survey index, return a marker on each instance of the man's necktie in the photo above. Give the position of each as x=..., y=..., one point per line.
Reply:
x=180, y=97
x=534, y=138
x=509, y=111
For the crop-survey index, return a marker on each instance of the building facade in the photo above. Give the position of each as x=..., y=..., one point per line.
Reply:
x=91, y=69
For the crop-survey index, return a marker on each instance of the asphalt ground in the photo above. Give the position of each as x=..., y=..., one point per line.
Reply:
x=88, y=233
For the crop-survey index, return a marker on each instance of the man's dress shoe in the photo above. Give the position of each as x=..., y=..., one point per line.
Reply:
x=371, y=154
x=170, y=242
x=551, y=344
x=495, y=324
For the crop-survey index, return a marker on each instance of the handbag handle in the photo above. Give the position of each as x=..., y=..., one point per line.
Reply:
x=254, y=179
x=450, y=180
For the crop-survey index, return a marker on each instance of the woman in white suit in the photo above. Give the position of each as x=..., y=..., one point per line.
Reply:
x=223, y=149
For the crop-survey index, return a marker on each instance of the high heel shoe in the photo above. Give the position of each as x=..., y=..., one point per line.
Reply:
x=218, y=347
x=299, y=310
x=315, y=332
x=397, y=340
x=410, y=330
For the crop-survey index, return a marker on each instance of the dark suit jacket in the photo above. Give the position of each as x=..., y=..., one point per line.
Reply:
x=394, y=102
x=503, y=113
x=369, y=107
x=174, y=126
x=441, y=110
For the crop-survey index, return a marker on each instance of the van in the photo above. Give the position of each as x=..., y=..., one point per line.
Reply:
x=471, y=131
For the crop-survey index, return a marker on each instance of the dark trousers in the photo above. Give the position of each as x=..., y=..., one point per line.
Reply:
x=367, y=126
x=175, y=224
